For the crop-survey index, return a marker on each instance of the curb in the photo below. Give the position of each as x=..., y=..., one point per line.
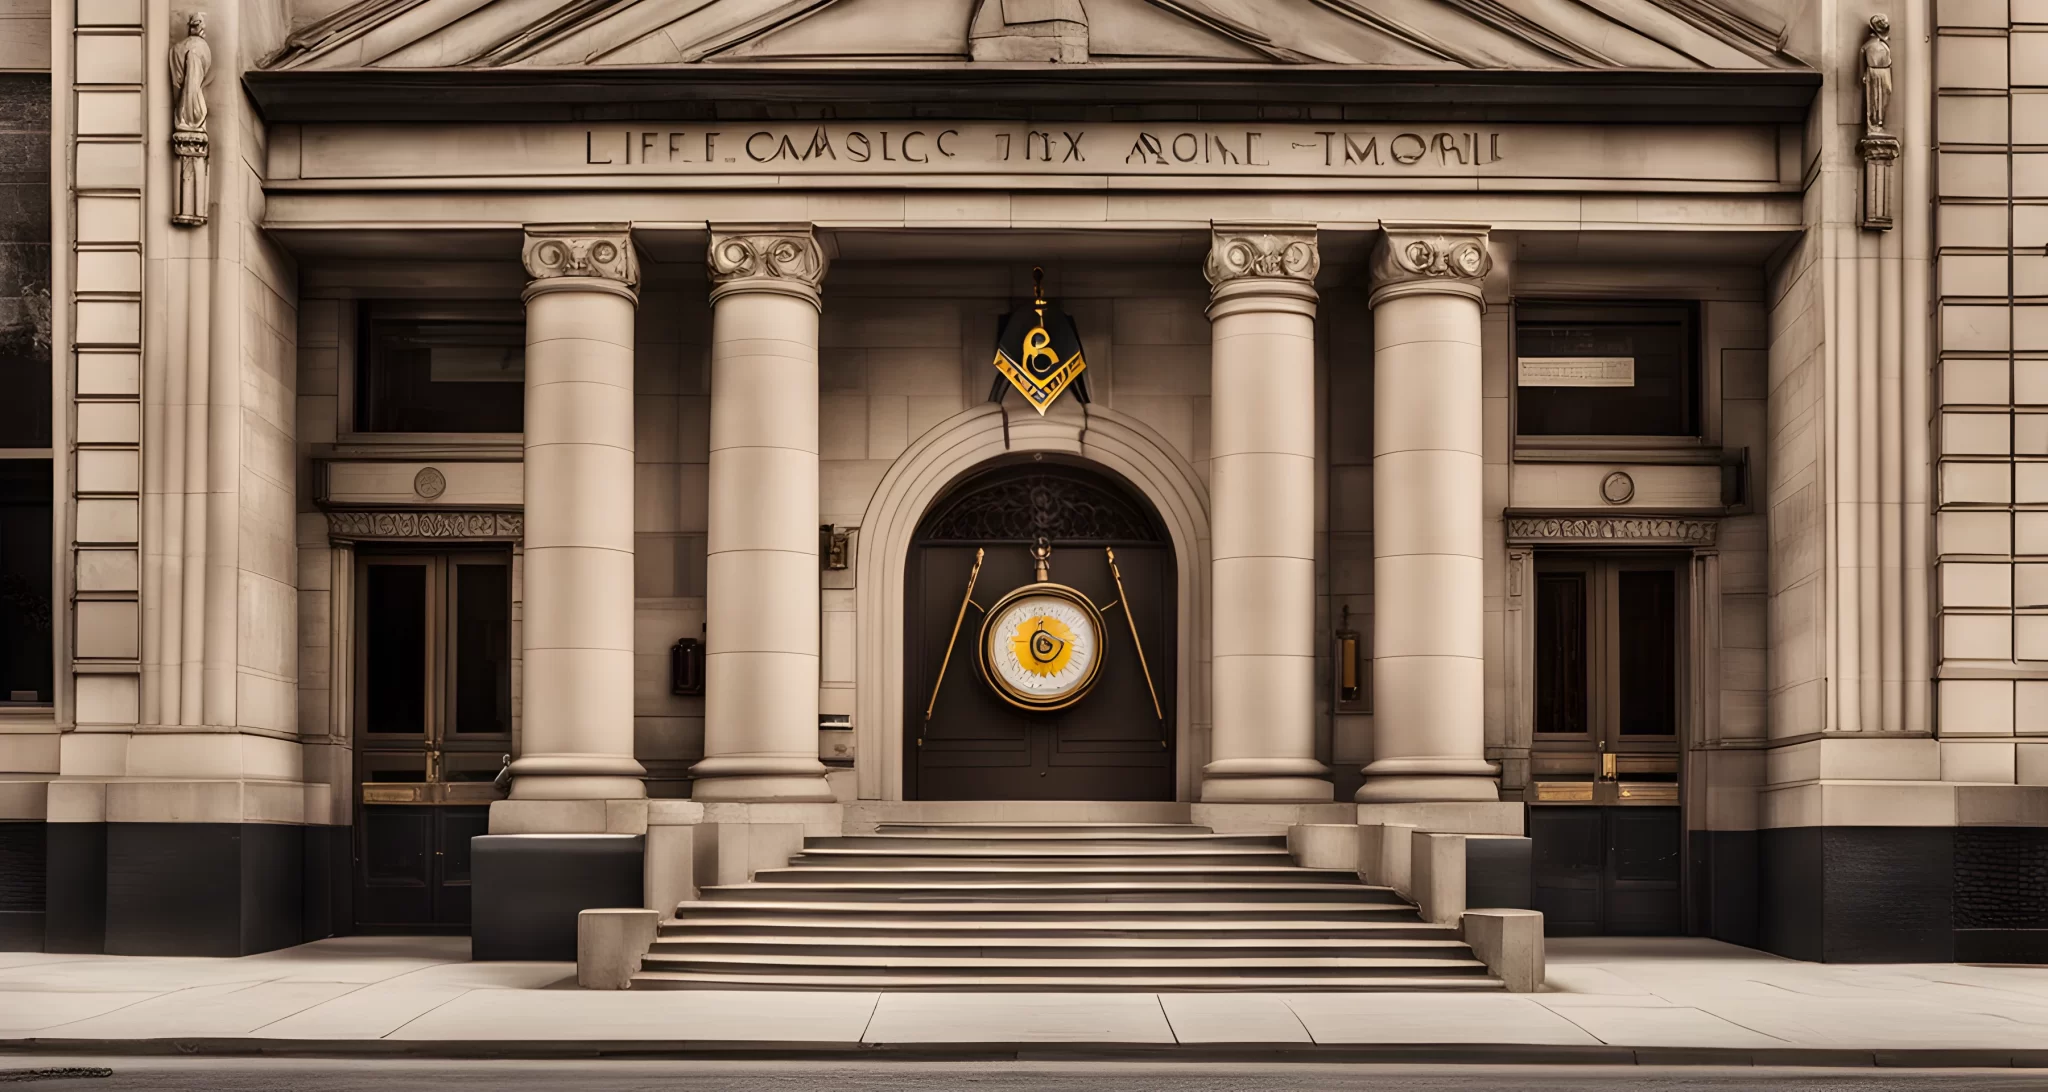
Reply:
x=1381, y=1054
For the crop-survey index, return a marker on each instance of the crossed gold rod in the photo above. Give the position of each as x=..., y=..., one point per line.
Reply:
x=1124, y=598
x=966, y=600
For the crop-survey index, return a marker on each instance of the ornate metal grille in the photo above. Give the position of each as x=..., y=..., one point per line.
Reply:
x=1027, y=504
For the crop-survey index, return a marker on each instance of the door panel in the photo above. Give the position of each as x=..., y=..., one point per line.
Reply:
x=1605, y=761
x=1112, y=744
x=433, y=722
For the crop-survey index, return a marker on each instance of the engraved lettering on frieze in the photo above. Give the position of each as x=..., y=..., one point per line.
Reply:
x=1661, y=531
x=426, y=525
x=912, y=147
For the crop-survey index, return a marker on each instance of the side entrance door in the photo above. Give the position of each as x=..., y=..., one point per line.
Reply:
x=1116, y=743
x=433, y=724
x=1605, y=817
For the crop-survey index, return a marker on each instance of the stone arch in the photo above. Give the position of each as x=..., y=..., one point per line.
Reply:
x=927, y=470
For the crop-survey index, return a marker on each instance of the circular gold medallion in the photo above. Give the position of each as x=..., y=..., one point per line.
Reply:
x=1041, y=646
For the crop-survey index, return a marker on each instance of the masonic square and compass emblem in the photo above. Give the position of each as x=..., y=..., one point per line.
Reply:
x=1039, y=352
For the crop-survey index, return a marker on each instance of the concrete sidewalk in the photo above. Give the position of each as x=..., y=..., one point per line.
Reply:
x=1664, y=1000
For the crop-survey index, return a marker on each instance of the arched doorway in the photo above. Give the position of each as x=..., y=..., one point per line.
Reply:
x=1116, y=741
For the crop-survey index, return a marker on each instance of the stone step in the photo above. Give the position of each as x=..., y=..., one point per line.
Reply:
x=1111, y=842
x=1038, y=965
x=1108, y=855
x=1149, y=983
x=1040, y=872
x=1004, y=945
x=772, y=899
x=1044, y=830
x=1098, y=891
x=884, y=925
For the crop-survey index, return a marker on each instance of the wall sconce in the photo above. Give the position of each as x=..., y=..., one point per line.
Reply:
x=835, y=547
x=686, y=668
x=1353, y=672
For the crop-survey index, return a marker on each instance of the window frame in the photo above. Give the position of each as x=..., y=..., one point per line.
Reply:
x=347, y=430
x=1703, y=446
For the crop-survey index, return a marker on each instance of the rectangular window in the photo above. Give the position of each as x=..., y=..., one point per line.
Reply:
x=1627, y=369
x=27, y=669
x=444, y=366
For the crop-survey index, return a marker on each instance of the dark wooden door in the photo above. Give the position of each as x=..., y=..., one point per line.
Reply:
x=1111, y=745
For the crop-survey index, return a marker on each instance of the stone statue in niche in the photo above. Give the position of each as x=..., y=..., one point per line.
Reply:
x=1879, y=146
x=191, y=67
x=1877, y=74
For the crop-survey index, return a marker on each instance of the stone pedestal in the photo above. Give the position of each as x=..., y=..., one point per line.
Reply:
x=1262, y=492
x=761, y=601
x=1429, y=673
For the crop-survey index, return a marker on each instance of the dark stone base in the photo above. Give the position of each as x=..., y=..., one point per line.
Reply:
x=1906, y=894
x=185, y=889
x=1723, y=885
x=22, y=891
x=528, y=888
x=1497, y=873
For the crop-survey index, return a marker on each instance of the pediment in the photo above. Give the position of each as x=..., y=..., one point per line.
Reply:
x=1392, y=34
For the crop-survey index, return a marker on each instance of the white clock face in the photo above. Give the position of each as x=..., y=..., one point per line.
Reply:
x=1042, y=648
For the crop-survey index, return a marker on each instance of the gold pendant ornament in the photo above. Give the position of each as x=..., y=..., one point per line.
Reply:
x=1041, y=645
x=1039, y=351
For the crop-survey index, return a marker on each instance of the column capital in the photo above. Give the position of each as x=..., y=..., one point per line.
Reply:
x=1429, y=257
x=1262, y=251
x=580, y=257
x=783, y=258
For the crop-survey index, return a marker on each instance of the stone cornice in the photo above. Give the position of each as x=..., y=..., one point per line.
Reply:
x=1267, y=251
x=765, y=258
x=1633, y=530
x=599, y=251
x=1411, y=258
x=416, y=525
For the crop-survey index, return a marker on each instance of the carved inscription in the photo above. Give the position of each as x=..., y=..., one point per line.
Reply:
x=910, y=147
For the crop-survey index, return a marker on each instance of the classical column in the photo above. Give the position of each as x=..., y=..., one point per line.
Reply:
x=1262, y=474
x=1428, y=569
x=761, y=563
x=577, y=727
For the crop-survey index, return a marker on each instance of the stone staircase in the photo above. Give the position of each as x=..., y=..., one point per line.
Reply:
x=1054, y=906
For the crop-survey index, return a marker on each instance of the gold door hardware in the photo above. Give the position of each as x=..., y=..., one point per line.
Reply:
x=1123, y=599
x=966, y=600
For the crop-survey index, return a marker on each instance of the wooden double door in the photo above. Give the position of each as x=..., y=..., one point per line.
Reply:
x=433, y=726
x=1606, y=822
x=1113, y=744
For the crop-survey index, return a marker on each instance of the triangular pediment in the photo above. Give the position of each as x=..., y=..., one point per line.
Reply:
x=1419, y=34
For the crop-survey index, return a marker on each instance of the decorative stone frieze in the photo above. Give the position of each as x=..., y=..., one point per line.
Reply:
x=410, y=526
x=599, y=251
x=1641, y=530
x=1410, y=258
x=765, y=259
x=1242, y=251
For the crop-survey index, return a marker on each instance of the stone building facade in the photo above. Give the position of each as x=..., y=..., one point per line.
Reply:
x=1610, y=423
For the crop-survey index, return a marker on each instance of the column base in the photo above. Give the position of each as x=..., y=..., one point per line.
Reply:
x=577, y=777
x=528, y=888
x=1266, y=781
x=1422, y=780
x=761, y=779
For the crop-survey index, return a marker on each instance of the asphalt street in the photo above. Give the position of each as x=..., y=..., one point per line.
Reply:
x=408, y=1075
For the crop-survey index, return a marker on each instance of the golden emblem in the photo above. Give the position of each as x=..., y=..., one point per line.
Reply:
x=1040, y=354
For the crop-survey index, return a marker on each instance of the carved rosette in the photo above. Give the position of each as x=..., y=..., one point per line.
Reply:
x=1240, y=253
x=406, y=525
x=600, y=252
x=1412, y=258
x=765, y=260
